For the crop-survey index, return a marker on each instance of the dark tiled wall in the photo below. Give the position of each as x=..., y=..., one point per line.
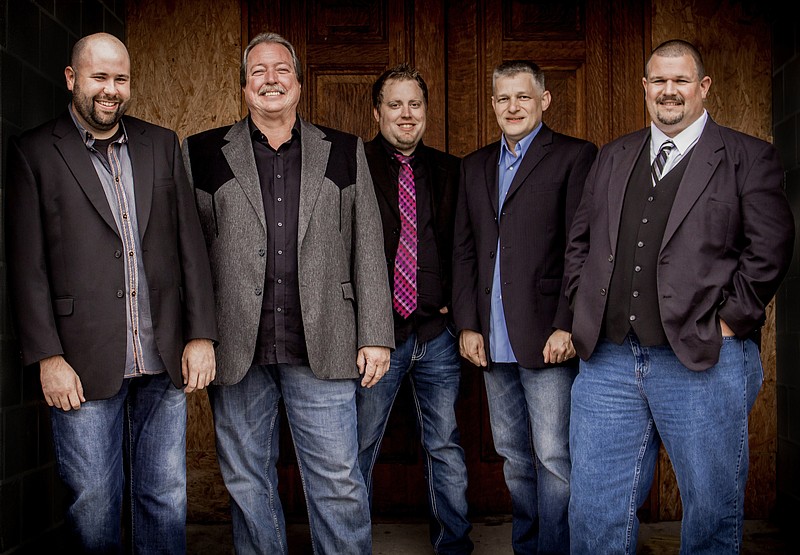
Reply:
x=36, y=38
x=786, y=123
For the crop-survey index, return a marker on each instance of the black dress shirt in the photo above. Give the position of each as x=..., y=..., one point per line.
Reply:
x=280, y=335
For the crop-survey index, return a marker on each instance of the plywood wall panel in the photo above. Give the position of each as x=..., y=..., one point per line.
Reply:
x=185, y=76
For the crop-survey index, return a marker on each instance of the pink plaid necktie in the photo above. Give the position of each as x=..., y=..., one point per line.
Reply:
x=405, y=262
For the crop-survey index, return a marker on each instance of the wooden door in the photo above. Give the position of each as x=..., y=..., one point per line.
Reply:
x=346, y=44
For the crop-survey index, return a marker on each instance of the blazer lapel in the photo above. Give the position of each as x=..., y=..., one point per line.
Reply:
x=706, y=157
x=238, y=153
x=622, y=164
x=491, y=171
x=315, y=151
x=140, y=149
x=76, y=156
x=536, y=151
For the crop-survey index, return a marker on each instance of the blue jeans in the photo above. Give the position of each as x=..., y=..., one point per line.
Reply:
x=135, y=442
x=625, y=401
x=434, y=370
x=529, y=415
x=322, y=420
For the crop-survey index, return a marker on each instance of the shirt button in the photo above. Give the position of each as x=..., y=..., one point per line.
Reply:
x=632, y=318
x=637, y=268
x=133, y=293
x=279, y=309
x=124, y=215
x=278, y=176
x=649, y=199
x=635, y=294
x=280, y=224
x=120, y=293
x=280, y=251
x=130, y=253
x=644, y=220
x=280, y=199
x=640, y=244
x=279, y=280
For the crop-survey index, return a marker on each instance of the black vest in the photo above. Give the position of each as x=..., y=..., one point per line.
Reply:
x=633, y=293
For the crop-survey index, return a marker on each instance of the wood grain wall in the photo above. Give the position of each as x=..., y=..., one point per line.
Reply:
x=185, y=76
x=185, y=57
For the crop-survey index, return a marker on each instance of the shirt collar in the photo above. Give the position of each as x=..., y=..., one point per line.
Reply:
x=683, y=141
x=88, y=138
x=522, y=145
x=257, y=135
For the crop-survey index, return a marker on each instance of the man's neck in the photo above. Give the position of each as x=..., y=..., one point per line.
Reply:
x=276, y=130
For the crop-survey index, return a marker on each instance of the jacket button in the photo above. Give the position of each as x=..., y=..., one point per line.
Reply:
x=487, y=290
x=491, y=254
x=117, y=254
x=257, y=291
x=611, y=258
x=261, y=252
x=603, y=291
x=120, y=293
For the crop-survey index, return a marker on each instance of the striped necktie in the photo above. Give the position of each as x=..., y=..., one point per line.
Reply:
x=657, y=169
x=405, y=262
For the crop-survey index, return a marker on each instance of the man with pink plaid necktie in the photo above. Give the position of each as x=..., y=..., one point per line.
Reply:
x=416, y=188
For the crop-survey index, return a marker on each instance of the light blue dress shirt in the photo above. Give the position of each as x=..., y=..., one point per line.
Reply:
x=499, y=345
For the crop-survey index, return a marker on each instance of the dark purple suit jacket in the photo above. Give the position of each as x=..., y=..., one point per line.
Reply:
x=726, y=248
x=537, y=214
x=64, y=253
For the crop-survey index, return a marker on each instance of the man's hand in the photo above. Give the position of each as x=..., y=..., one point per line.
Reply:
x=470, y=343
x=373, y=362
x=726, y=330
x=558, y=348
x=198, y=364
x=60, y=384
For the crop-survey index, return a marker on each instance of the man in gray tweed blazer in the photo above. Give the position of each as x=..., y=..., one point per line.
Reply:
x=295, y=242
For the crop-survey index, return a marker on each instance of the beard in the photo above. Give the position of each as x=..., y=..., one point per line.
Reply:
x=671, y=117
x=85, y=106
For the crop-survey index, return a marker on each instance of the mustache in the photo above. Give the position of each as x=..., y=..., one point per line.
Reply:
x=271, y=88
x=670, y=98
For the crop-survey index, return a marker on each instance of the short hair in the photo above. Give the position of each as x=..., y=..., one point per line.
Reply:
x=400, y=72
x=513, y=67
x=274, y=38
x=675, y=48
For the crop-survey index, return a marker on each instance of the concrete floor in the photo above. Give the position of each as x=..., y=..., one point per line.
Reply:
x=490, y=536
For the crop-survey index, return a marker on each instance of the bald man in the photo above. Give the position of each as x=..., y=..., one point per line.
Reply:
x=112, y=299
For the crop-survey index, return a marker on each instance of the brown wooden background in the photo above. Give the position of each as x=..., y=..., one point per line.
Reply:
x=185, y=56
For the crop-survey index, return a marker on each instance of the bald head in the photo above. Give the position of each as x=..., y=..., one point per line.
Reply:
x=88, y=44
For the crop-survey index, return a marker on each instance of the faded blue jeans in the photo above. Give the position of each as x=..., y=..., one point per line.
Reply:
x=322, y=420
x=134, y=441
x=529, y=415
x=434, y=370
x=626, y=400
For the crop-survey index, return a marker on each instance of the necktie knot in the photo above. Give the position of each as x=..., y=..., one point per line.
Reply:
x=403, y=159
x=661, y=160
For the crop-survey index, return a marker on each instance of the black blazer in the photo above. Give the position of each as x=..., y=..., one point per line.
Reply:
x=64, y=253
x=443, y=172
x=726, y=247
x=537, y=214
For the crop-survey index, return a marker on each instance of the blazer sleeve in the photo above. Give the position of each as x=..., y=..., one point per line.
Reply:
x=199, y=312
x=575, y=183
x=465, y=263
x=767, y=225
x=374, y=307
x=31, y=301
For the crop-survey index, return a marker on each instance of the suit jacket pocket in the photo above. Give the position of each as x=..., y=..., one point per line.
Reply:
x=64, y=306
x=163, y=182
x=549, y=286
x=347, y=291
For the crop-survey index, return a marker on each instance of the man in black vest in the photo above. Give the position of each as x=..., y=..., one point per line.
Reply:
x=682, y=237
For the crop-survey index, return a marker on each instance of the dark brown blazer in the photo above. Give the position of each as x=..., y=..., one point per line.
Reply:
x=65, y=260
x=537, y=215
x=726, y=247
